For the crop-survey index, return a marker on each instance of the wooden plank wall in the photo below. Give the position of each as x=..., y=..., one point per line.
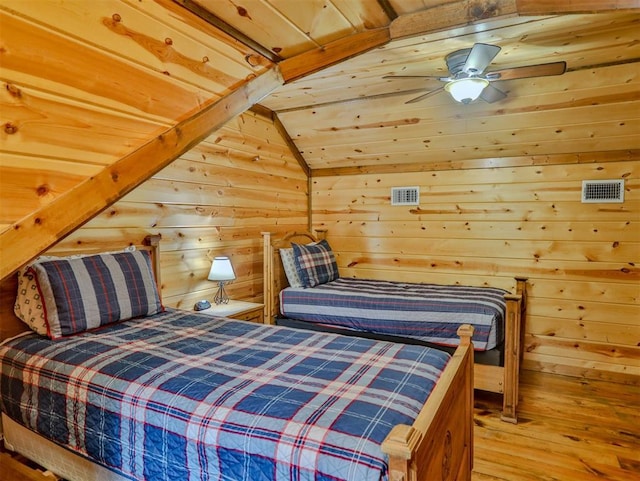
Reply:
x=214, y=200
x=79, y=93
x=88, y=87
x=484, y=226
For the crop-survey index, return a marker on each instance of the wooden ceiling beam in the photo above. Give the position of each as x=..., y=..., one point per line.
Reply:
x=467, y=12
x=388, y=9
x=293, y=148
x=35, y=233
x=450, y=15
x=273, y=117
x=291, y=144
x=301, y=160
x=557, y=7
x=322, y=57
x=233, y=32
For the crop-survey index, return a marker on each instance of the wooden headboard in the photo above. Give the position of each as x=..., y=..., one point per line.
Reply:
x=274, y=277
x=11, y=325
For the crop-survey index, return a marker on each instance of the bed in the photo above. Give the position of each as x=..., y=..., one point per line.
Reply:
x=181, y=395
x=413, y=313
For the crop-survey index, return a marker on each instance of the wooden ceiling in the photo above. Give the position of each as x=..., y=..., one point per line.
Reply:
x=99, y=96
x=347, y=118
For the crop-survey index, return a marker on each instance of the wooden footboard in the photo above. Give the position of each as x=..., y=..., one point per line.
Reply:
x=439, y=444
x=499, y=379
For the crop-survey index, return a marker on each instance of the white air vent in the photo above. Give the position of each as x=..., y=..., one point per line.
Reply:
x=405, y=195
x=602, y=191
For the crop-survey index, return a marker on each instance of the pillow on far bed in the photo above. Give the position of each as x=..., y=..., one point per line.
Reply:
x=315, y=264
x=289, y=266
x=87, y=292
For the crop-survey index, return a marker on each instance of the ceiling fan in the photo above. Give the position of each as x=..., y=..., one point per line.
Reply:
x=468, y=81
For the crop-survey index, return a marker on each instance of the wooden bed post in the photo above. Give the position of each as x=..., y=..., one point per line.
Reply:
x=153, y=241
x=514, y=337
x=267, y=273
x=521, y=290
x=465, y=332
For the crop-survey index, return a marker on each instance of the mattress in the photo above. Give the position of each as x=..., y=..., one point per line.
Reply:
x=427, y=312
x=186, y=396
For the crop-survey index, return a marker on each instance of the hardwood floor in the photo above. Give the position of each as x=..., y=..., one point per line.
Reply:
x=14, y=467
x=569, y=430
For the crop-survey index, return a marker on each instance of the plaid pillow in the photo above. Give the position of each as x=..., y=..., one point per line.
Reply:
x=315, y=263
x=28, y=306
x=79, y=294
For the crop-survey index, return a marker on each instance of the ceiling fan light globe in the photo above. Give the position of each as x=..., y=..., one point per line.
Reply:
x=466, y=90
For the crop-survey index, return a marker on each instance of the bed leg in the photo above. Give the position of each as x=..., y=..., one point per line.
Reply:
x=9, y=446
x=513, y=329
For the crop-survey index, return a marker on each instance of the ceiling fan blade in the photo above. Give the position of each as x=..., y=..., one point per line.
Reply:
x=491, y=94
x=414, y=76
x=479, y=58
x=424, y=96
x=541, y=70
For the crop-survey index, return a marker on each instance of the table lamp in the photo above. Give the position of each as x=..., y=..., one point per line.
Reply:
x=221, y=271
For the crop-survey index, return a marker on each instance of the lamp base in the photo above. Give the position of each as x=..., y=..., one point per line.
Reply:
x=221, y=296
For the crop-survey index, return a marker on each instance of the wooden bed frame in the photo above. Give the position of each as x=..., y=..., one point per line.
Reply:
x=438, y=445
x=498, y=379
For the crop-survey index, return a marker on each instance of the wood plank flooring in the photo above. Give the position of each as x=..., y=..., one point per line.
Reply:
x=569, y=430
x=14, y=467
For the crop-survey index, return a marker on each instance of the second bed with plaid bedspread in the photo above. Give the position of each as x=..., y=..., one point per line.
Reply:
x=182, y=396
x=428, y=312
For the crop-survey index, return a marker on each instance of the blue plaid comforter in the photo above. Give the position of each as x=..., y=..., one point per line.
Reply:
x=429, y=312
x=182, y=396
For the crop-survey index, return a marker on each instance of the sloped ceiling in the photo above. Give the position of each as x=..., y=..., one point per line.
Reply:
x=98, y=96
x=348, y=118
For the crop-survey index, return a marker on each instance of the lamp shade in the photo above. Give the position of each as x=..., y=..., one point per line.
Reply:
x=466, y=90
x=221, y=270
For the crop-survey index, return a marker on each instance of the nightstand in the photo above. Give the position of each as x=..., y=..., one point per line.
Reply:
x=242, y=310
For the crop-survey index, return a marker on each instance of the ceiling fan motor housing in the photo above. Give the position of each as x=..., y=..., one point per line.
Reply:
x=456, y=60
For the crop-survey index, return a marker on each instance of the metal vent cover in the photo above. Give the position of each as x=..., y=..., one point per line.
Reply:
x=405, y=195
x=606, y=191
